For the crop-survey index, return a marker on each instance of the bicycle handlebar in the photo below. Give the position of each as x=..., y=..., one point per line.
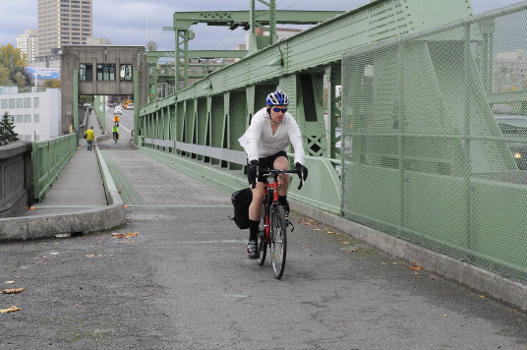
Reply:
x=276, y=172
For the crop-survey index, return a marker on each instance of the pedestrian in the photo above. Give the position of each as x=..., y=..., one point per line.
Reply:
x=89, y=135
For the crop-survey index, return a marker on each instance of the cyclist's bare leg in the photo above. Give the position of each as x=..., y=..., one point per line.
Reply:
x=255, y=209
x=281, y=163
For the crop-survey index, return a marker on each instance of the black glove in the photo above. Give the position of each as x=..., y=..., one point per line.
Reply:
x=303, y=170
x=252, y=173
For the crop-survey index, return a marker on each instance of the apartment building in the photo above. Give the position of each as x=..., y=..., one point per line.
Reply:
x=63, y=22
x=27, y=43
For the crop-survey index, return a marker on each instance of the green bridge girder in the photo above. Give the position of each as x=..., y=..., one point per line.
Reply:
x=158, y=72
x=215, y=111
x=182, y=21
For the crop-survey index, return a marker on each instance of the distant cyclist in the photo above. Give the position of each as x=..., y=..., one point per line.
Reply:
x=116, y=118
x=266, y=141
x=115, y=132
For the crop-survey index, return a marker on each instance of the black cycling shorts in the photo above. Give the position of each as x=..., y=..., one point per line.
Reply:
x=267, y=162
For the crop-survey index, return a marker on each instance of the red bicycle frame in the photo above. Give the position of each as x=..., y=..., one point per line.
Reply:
x=268, y=187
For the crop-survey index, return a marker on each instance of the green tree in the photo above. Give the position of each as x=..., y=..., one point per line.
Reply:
x=7, y=130
x=52, y=83
x=11, y=57
x=151, y=45
x=20, y=80
x=20, y=77
x=4, y=76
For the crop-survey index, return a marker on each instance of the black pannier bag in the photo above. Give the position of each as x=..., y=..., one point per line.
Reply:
x=241, y=200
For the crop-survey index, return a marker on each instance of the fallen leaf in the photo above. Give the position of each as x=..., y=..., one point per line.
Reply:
x=345, y=242
x=445, y=315
x=383, y=263
x=308, y=222
x=318, y=229
x=11, y=309
x=352, y=251
x=125, y=235
x=90, y=256
x=118, y=235
x=63, y=235
x=13, y=290
x=31, y=208
x=9, y=282
x=394, y=263
x=415, y=267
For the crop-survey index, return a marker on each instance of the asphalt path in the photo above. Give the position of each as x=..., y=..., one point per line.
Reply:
x=176, y=276
x=126, y=124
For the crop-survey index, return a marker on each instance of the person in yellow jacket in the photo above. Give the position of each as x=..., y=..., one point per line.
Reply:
x=89, y=135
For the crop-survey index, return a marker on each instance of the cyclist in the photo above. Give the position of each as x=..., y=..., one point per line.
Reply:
x=116, y=118
x=266, y=140
x=115, y=132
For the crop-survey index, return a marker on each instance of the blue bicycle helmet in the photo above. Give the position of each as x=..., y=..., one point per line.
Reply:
x=277, y=98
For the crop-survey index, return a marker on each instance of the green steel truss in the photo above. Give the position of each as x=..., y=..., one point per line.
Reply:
x=215, y=111
x=158, y=73
x=247, y=19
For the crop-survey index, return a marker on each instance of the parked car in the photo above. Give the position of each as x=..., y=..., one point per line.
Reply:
x=130, y=107
x=118, y=110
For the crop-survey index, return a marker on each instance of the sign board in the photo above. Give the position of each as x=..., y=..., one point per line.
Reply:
x=43, y=73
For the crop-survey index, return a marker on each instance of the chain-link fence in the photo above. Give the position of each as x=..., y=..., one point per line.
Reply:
x=434, y=144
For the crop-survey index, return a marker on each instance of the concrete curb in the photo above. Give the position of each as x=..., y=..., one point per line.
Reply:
x=40, y=226
x=487, y=282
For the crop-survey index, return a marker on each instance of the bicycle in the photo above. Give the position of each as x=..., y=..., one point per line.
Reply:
x=115, y=137
x=274, y=223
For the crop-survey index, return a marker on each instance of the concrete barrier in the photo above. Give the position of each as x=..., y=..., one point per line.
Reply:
x=31, y=227
x=16, y=178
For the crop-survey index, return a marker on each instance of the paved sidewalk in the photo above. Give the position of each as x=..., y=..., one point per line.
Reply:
x=80, y=185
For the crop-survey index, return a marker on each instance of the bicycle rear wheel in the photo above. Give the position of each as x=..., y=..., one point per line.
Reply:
x=278, y=240
x=261, y=245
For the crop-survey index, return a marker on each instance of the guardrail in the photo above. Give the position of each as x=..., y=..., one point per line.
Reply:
x=322, y=191
x=49, y=158
x=16, y=185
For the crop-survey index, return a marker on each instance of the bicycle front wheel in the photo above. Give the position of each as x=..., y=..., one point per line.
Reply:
x=278, y=240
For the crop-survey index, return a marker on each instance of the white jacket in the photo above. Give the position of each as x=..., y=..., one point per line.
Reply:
x=259, y=141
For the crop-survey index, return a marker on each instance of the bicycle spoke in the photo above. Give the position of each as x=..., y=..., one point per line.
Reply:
x=278, y=240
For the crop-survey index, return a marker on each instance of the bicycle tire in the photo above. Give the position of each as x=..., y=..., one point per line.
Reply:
x=261, y=244
x=278, y=240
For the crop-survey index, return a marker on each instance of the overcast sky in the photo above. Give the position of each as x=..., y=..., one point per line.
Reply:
x=132, y=22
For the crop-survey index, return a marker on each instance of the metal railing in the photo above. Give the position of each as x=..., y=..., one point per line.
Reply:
x=49, y=158
x=425, y=158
